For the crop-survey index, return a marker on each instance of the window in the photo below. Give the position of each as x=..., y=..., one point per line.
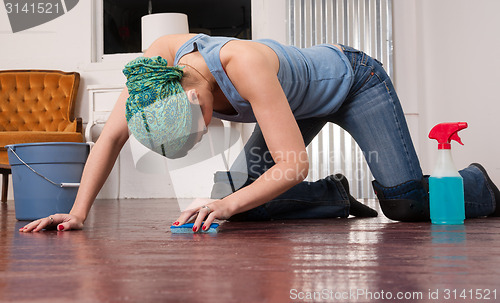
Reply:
x=122, y=20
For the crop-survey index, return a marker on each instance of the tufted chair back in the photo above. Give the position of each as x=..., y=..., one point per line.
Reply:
x=38, y=100
x=36, y=106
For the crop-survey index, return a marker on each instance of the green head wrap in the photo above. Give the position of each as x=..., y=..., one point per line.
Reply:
x=158, y=111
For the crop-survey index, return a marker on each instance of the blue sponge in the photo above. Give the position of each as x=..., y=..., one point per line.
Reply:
x=188, y=229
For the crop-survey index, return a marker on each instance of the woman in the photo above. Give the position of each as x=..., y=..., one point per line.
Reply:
x=291, y=93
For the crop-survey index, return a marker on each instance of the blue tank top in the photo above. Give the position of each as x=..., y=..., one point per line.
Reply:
x=315, y=80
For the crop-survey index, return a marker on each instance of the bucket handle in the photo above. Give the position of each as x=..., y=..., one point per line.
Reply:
x=64, y=185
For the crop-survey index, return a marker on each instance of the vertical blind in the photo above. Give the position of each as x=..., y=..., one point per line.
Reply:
x=362, y=24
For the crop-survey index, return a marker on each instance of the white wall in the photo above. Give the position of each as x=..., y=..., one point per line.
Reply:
x=446, y=70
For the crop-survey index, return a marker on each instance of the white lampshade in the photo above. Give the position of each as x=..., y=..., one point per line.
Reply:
x=156, y=25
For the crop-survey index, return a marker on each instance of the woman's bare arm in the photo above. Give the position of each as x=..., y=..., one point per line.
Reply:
x=102, y=158
x=254, y=74
x=255, y=77
x=99, y=164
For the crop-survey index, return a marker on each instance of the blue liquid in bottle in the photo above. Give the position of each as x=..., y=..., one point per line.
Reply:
x=446, y=200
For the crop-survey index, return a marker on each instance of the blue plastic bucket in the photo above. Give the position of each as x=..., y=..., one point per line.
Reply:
x=46, y=177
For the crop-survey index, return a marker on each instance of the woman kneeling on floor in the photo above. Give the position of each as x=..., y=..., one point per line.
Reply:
x=184, y=80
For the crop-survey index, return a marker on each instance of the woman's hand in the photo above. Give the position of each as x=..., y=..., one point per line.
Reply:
x=218, y=209
x=62, y=221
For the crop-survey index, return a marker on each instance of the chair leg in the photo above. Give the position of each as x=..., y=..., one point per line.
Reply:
x=5, y=186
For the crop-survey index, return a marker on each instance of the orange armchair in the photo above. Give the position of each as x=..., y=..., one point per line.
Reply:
x=36, y=106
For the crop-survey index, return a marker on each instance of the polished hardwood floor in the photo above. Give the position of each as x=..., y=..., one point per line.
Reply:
x=127, y=254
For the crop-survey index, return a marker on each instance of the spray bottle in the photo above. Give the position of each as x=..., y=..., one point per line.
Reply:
x=446, y=187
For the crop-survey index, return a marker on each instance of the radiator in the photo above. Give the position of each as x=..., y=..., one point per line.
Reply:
x=362, y=24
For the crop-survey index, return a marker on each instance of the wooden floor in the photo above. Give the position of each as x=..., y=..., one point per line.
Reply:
x=127, y=254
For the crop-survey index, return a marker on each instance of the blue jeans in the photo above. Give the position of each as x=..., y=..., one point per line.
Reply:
x=372, y=114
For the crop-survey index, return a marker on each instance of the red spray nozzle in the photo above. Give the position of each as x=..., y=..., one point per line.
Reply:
x=445, y=132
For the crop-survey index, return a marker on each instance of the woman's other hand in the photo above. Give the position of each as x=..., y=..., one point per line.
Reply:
x=218, y=209
x=61, y=221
